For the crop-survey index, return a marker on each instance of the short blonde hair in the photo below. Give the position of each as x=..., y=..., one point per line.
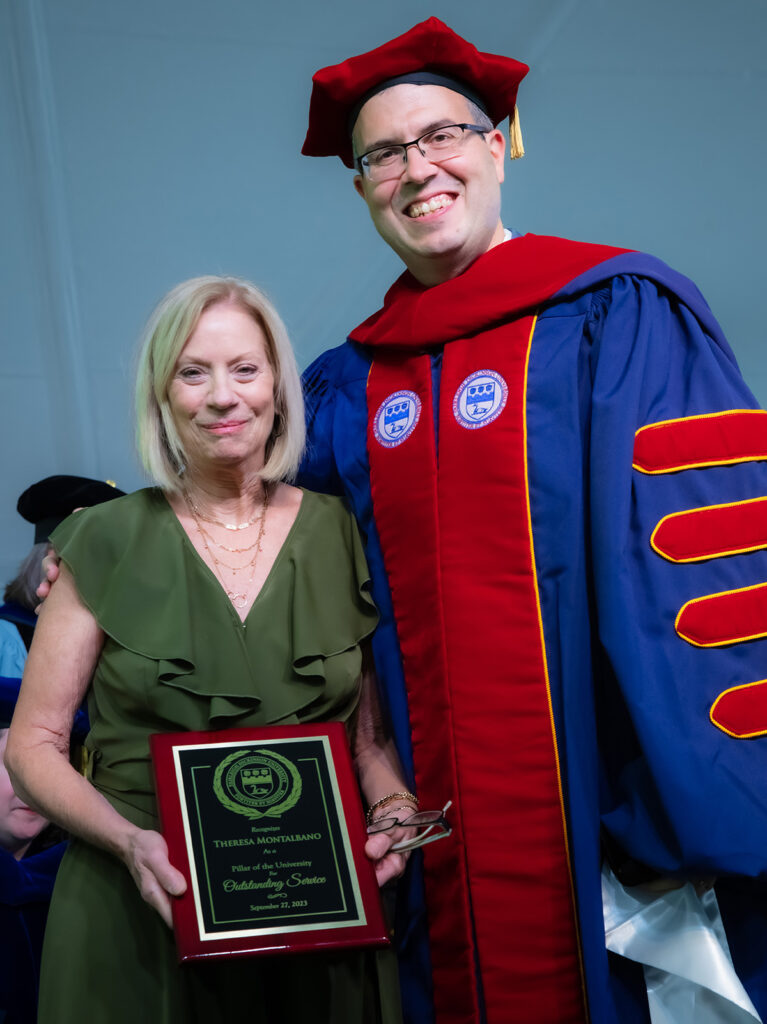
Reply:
x=168, y=330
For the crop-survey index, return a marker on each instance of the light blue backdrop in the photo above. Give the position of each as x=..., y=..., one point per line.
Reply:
x=145, y=141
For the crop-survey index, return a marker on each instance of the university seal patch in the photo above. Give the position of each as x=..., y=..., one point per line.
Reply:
x=258, y=785
x=396, y=418
x=480, y=399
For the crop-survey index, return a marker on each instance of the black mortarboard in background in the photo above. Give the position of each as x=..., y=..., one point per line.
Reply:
x=48, y=502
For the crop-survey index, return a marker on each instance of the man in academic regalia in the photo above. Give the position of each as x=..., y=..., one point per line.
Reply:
x=560, y=479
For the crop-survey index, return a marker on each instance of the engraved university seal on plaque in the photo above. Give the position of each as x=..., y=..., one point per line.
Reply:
x=259, y=785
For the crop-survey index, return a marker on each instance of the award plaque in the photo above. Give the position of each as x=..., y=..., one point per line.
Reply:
x=267, y=827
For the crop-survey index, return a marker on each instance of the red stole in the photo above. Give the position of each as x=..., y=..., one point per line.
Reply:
x=458, y=547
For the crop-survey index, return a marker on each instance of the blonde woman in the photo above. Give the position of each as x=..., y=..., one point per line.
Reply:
x=222, y=597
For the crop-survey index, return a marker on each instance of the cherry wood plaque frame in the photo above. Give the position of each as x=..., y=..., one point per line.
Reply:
x=267, y=827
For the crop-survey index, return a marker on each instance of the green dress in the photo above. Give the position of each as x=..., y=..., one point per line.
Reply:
x=176, y=656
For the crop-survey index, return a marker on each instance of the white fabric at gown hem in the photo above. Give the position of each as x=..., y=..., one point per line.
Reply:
x=679, y=939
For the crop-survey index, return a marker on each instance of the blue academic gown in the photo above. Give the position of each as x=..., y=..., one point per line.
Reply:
x=626, y=344
x=16, y=624
x=25, y=892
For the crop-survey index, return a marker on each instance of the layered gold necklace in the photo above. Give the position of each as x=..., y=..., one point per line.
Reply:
x=238, y=597
x=199, y=514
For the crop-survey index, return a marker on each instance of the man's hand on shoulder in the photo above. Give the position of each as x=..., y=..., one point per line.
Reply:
x=51, y=570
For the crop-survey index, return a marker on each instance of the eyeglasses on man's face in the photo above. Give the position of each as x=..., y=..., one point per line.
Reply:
x=438, y=144
x=430, y=826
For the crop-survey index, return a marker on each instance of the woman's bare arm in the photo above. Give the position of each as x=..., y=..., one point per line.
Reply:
x=66, y=648
x=380, y=774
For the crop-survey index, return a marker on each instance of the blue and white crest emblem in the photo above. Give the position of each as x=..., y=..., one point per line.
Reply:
x=396, y=418
x=480, y=399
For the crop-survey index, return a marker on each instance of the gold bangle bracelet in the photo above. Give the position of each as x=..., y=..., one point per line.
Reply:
x=387, y=799
x=392, y=813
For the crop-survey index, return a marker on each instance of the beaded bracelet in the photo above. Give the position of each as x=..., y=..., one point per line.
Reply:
x=387, y=799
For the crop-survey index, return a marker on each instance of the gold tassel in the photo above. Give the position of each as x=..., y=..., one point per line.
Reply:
x=516, y=148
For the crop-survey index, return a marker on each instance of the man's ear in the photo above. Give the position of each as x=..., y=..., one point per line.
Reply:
x=496, y=143
x=359, y=185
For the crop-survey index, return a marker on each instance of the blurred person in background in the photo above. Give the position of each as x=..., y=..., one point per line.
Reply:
x=45, y=504
x=30, y=853
x=31, y=847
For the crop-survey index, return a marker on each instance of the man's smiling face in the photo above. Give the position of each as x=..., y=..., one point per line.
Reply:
x=437, y=216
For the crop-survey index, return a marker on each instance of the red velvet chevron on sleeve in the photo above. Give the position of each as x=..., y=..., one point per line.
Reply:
x=741, y=711
x=712, y=531
x=729, y=617
x=694, y=442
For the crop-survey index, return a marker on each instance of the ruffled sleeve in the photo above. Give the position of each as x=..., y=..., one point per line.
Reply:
x=127, y=562
x=321, y=587
x=332, y=609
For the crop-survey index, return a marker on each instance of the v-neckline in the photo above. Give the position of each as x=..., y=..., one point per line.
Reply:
x=242, y=623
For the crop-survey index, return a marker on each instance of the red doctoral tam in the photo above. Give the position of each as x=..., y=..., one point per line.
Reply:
x=339, y=91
